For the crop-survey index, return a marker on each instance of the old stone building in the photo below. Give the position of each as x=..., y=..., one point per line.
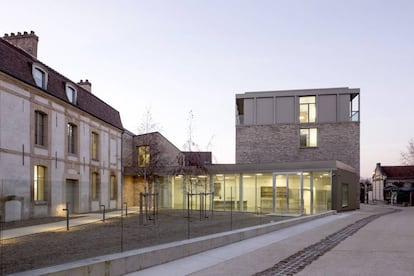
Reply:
x=58, y=141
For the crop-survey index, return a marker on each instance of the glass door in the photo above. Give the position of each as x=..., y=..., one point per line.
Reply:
x=280, y=203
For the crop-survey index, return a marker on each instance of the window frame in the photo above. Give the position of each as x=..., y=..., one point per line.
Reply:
x=113, y=191
x=95, y=186
x=72, y=138
x=144, y=156
x=44, y=81
x=39, y=183
x=40, y=128
x=344, y=195
x=94, y=145
x=308, y=143
x=72, y=97
x=309, y=110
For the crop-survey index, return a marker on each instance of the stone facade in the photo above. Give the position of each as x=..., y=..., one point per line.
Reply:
x=67, y=173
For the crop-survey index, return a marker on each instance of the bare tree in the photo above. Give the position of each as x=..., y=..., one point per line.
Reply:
x=150, y=161
x=407, y=157
x=193, y=164
x=148, y=124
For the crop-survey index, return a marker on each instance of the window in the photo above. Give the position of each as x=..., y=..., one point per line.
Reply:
x=95, y=186
x=308, y=137
x=39, y=76
x=113, y=187
x=143, y=156
x=354, y=107
x=39, y=183
x=71, y=93
x=72, y=138
x=95, y=146
x=345, y=190
x=40, y=128
x=307, y=109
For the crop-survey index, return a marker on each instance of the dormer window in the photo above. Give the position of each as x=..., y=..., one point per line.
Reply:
x=39, y=76
x=71, y=93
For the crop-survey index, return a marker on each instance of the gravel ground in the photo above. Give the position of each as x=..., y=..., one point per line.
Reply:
x=112, y=236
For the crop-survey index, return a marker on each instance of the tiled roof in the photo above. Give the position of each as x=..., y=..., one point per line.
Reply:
x=401, y=172
x=18, y=64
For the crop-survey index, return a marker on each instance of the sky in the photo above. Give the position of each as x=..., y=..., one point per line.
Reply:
x=184, y=61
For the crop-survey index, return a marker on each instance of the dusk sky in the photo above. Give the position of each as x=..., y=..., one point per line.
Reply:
x=173, y=57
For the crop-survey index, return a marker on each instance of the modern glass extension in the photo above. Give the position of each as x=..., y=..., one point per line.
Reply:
x=292, y=193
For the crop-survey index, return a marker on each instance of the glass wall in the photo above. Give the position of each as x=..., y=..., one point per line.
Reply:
x=178, y=192
x=164, y=189
x=281, y=203
x=284, y=193
x=294, y=194
x=249, y=192
x=227, y=192
x=321, y=191
x=307, y=193
x=264, y=192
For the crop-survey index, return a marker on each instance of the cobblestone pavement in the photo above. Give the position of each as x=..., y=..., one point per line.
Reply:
x=296, y=262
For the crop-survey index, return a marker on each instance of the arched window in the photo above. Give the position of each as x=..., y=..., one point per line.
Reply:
x=71, y=93
x=40, y=76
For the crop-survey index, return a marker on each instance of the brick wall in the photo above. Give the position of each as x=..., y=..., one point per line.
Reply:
x=280, y=143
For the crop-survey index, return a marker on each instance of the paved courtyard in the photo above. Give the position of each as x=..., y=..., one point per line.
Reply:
x=94, y=239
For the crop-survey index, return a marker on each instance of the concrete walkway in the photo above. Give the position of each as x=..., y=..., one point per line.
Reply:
x=61, y=225
x=383, y=247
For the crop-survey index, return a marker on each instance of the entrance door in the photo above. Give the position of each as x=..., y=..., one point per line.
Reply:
x=72, y=195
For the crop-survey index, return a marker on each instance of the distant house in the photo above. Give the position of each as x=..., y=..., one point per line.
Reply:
x=59, y=143
x=388, y=179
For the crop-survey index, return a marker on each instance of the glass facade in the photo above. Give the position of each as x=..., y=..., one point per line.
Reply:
x=291, y=193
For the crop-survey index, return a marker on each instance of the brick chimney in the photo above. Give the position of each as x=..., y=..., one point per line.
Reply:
x=26, y=41
x=85, y=85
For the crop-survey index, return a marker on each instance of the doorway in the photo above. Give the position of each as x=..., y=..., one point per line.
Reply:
x=72, y=195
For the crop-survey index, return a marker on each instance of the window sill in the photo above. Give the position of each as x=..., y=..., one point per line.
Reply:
x=40, y=202
x=309, y=147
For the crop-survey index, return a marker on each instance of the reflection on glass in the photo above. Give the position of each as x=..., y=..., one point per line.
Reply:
x=307, y=195
x=321, y=191
x=264, y=192
x=281, y=194
x=295, y=200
